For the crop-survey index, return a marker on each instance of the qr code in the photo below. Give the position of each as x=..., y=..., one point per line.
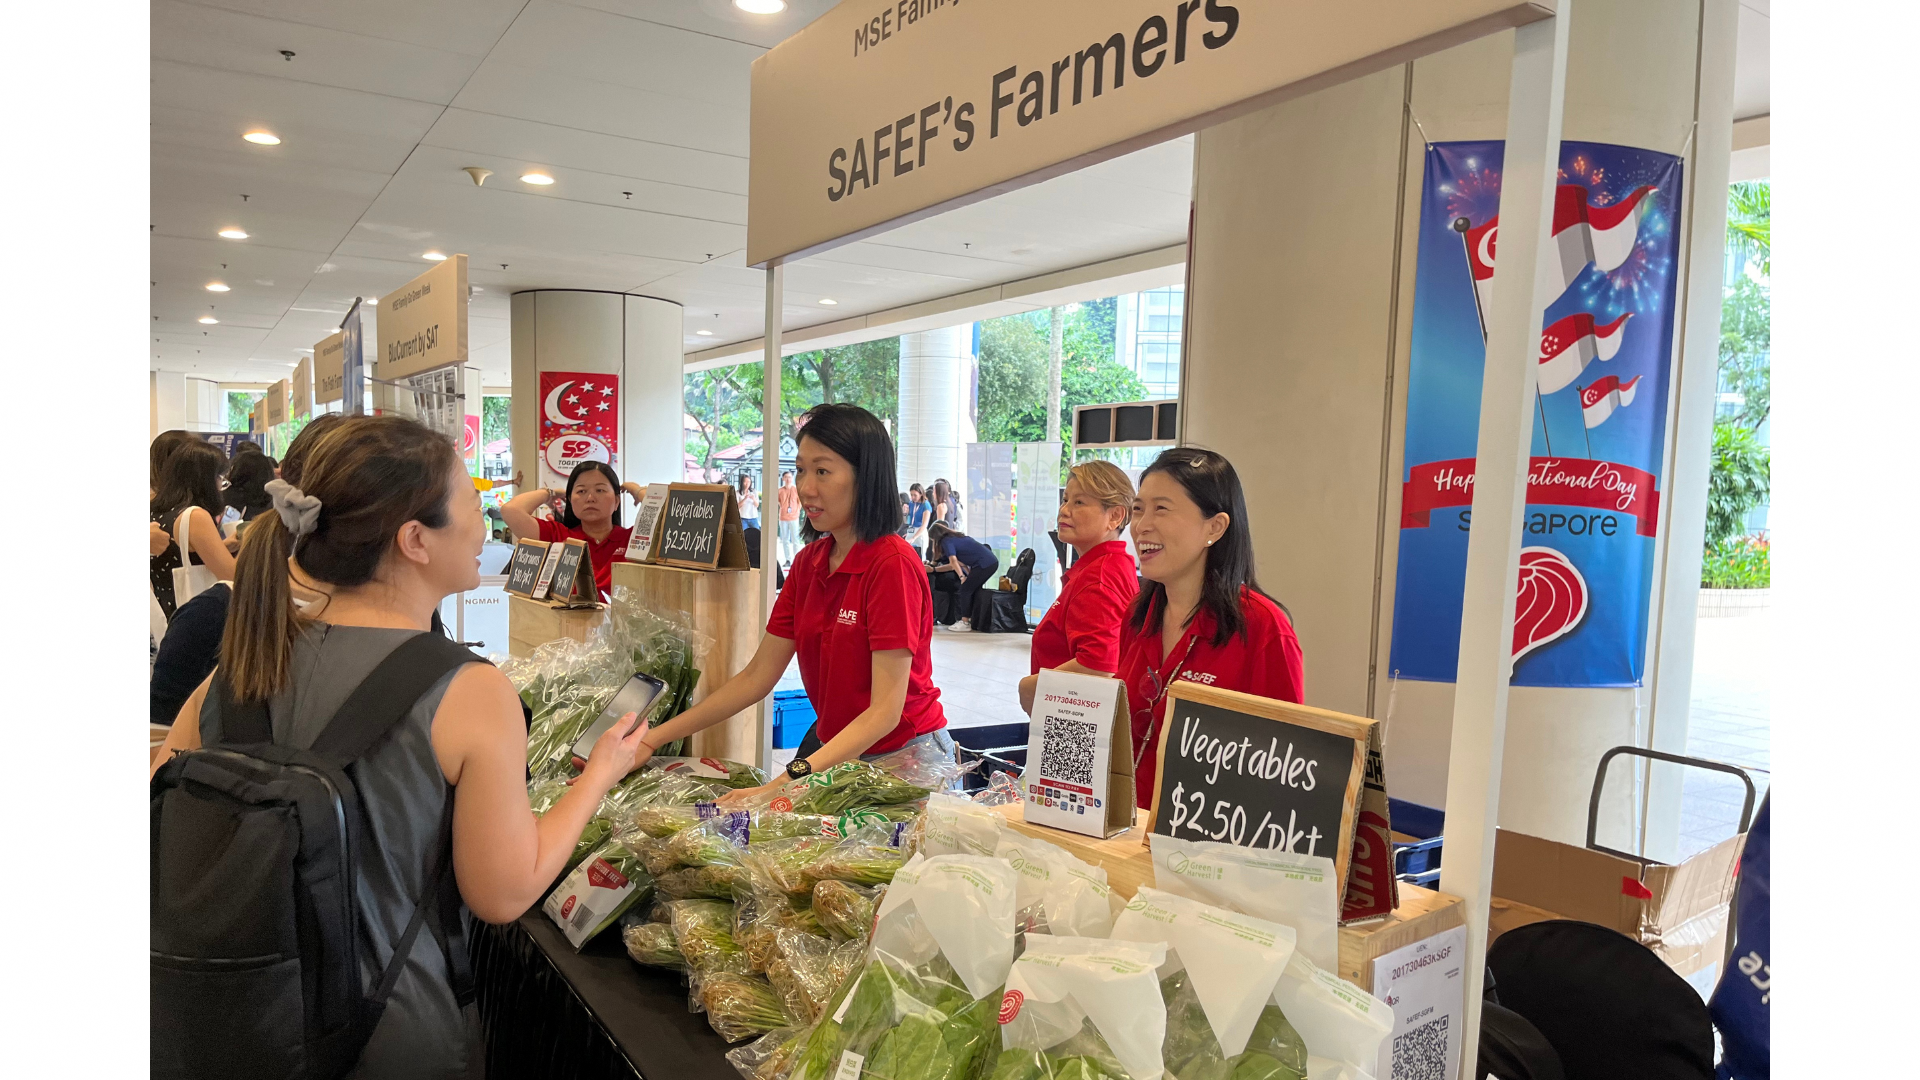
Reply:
x=1067, y=750
x=1421, y=1054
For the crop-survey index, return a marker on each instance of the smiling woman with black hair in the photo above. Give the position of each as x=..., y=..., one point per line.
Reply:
x=1201, y=616
x=856, y=609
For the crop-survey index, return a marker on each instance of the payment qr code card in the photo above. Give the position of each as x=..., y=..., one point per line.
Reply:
x=1070, y=751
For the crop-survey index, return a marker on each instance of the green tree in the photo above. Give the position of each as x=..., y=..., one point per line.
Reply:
x=1750, y=222
x=725, y=404
x=1013, y=378
x=496, y=421
x=866, y=374
x=1746, y=348
x=240, y=405
x=1738, y=481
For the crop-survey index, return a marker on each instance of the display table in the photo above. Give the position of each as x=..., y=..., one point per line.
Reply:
x=1129, y=864
x=548, y=1011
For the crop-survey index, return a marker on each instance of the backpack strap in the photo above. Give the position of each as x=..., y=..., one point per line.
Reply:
x=241, y=724
x=388, y=694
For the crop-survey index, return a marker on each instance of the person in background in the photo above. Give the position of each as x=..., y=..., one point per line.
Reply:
x=1081, y=631
x=190, y=487
x=162, y=448
x=855, y=610
x=946, y=508
x=749, y=502
x=788, y=501
x=968, y=559
x=1201, y=615
x=592, y=514
x=188, y=653
x=247, y=477
x=390, y=522
x=919, y=512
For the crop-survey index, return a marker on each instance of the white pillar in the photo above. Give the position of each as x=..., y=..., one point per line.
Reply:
x=637, y=338
x=934, y=426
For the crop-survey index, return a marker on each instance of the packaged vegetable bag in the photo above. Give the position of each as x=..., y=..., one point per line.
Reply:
x=1084, y=1008
x=1058, y=893
x=1341, y=1023
x=604, y=885
x=923, y=1006
x=1294, y=890
x=1218, y=984
x=954, y=826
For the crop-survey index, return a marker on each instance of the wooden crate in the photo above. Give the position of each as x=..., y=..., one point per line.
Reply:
x=1129, y=864
x=531, y=624
x=725, y=606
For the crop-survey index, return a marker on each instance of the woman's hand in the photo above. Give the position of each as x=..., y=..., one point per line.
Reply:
x=157, y=539
x=748, y=798
x=615, y=754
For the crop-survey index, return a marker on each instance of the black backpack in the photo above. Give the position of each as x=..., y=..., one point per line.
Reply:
x=255, y=933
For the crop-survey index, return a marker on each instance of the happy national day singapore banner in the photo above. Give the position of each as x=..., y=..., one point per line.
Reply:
x=1604, y=364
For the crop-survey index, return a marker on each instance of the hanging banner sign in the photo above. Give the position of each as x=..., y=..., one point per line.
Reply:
x=257, y=420
x=579, y=421
x=327, y=368
x=301, y=403
x=1599, y=436
x=881, y=113
x=423, y=324
x=277, y=400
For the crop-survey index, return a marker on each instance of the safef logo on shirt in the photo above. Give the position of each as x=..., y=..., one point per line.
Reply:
x=849, y=616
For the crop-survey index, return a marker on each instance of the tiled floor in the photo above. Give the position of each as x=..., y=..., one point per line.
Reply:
x=1731, y=720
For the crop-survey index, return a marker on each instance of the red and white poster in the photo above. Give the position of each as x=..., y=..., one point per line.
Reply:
x=579, y=421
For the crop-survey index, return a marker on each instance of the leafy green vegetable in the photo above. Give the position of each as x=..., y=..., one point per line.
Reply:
x=741, y=1005
x=701, y=882
x=853, y=784
x=704, y=931
x=843, y=910
x=653, y=944
x=1275, y=1051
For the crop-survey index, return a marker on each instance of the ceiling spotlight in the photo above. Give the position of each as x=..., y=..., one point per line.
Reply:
x=704, y=333
x=539, y=178
x=761, y=7
x=214, y=286
x=434, y=256
x=262, y=138
x=208, y=320
x=234, y=234
x=829, y=301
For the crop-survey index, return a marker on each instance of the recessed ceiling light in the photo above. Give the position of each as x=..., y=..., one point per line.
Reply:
x=761, y=7
x=434, y=256
x=214, y=286
x=539, y=178
x=234, y=234
x=704, y=333
x=263, y=138
x=209, y=320
x=829, y=301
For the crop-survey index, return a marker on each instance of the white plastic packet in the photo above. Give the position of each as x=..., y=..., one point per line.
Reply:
x=597, y=892
x=1294, y=890
x=1063, y=985
x=1066, y=896
x=958, y=905
x=954, y=826
x=1233, y=961
x=1341, y=1023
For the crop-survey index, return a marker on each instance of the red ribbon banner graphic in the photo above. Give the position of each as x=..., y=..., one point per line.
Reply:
x=1551, y=481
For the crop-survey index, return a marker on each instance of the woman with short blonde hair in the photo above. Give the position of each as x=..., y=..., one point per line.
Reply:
x=1081, y=631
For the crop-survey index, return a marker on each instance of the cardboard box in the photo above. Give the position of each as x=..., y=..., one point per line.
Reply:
x=1680, y=912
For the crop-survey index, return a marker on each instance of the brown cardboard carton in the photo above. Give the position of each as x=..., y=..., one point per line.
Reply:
x=1680, y=912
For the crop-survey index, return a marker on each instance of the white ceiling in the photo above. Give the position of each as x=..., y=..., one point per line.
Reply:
x=385, y=101
x=637, y=108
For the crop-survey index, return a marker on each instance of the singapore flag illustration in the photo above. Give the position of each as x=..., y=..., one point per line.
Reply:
x=1582, y=233
x=1551, y=602
x=1568, y=346
x=1606, y=394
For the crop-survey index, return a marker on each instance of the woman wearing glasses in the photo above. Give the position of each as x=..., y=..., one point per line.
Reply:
x=1201, y=616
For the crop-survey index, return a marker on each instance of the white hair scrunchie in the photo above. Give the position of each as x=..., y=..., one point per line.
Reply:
x=299, y=511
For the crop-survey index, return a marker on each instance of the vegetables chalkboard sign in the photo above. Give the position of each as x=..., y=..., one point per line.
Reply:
x=700, y=528
x=523, y=572
x=1260, y=773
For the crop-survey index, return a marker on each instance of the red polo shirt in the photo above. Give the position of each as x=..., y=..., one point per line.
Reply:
x=1265, y=661
x=604, y=552
x=837, y=620
x=1084, y=623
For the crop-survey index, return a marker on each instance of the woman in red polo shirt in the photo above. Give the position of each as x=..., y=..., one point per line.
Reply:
x=1081, y=631
x=856, y=609
x=592, y=515
x=1201, y=615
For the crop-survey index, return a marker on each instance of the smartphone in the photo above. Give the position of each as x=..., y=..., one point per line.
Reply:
x=635, y=697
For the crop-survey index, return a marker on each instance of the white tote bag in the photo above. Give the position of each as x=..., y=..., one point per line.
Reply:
x=189, y=580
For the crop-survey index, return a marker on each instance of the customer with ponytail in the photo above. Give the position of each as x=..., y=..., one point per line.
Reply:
x=385, y=517
x=1201, y=617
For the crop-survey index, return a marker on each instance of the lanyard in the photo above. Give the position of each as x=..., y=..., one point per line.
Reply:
x=1159, y=693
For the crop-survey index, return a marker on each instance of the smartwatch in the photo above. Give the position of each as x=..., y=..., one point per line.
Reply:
x=799, y=768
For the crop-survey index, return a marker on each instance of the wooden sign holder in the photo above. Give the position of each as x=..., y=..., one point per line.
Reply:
x=1362, y=731
x=730, y=550
x=573, y=585
x=524, y=550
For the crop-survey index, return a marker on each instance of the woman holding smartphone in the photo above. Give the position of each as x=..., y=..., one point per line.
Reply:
x=1081, y=631
x=1200, y=616
x=856, y=610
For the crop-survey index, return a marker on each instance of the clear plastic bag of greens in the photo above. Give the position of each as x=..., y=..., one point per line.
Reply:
x=924, y=765
x=924, y=1004
x=846, y=910
x=663, y=644
x=870, y=855
x=654, y=945
x=741, y=1006
x=1083, y=1007
x=848, y=786
x=780, y=865
x=701, y=882
x=1059, y=894
x=704, y=931
x=806, y=969
x=770, y=1056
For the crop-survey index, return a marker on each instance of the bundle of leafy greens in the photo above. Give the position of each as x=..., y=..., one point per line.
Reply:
x=1275, y=1051
x=852, y=784
x=870, y=856
x=908, y=1023
x=844, y=910
x=741, y=1005
x=701, y=882
x=653, y=944
x=780, y=865
x=805, y=969
x=703, y=929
